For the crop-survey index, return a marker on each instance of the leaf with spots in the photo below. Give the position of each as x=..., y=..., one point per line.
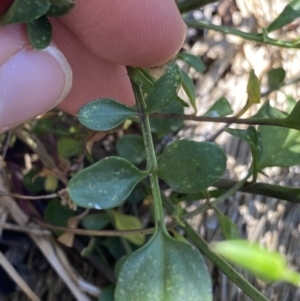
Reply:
x=23, y=11
x=190, y=167
x=165, y=269
x=39, y=32
x=104, y=114
x=60, y=7
x=164, y=91
x=105, y=184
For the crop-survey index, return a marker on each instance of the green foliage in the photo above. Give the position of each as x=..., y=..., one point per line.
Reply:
x=290, y=13
x=129, y=222
x=189, y=166
x=193, y=60
x=189, y=89
x=228, y=228
x=68, y=147
x=165, y=269
x=107, y=294
x=109, y=183
x=131, y=147
x=96, y=221
x=164, y=90
x=275, y=78
x=39, y=32
x=161, y=126
x=253, y=89
x=104, y=114
x=34, y=12
x=269, y=266
x=220, y=108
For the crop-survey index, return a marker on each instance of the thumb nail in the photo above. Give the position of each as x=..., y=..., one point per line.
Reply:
x=31, y=83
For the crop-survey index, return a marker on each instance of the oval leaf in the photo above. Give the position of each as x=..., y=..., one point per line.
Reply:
x=229, y=229
x=104, y=114
x=129, y=222
x=39, y=32
x=190, y=167
x=60, y=7
x=96, y=221
x=164, y=90
x=21, y=11
x=68, y=147
x=164, y=269
x=275, y=78
x=105, y=184
x=131, y=147
x=261, y=262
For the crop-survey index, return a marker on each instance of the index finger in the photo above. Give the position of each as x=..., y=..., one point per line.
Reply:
x=133, y=32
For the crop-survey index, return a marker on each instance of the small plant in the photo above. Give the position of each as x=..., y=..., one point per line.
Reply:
x=167, y=267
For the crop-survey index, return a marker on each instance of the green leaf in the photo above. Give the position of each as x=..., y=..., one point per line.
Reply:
x=96, y=221
x=21, y=11
x=129, y=222
x=60, y=7
x=189, y=88
x=267, y=111
x=229, y=228
x=278, y=146
x=104, y=114
x=39, y=32
x=33, y=182
x=253, y=89
x=164, y=91
x=275, y=78
x=250, y=136
x=261, y=262
x=290, y=13
x=58, y=214
x=105, y=184
x=164, y=269
x=189, y=166
x=164, y=126
x=107, y=294
x=131, y=147
x=220, y=108
x=193, y=60
x=293, y=119
x=68, y=147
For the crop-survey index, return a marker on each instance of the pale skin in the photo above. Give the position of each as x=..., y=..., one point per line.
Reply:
x=96, y=40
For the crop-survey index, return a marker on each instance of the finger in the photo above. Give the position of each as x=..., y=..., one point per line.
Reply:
x=31, y=82
x=93, y=77
x=132, y=32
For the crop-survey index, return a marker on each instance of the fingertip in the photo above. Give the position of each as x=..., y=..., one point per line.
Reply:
x=133, y=32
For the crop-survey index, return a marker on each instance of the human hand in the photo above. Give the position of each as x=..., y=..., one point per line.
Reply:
x=91, y=45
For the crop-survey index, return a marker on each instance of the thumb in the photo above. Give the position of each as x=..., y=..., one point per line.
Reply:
x=31, y=82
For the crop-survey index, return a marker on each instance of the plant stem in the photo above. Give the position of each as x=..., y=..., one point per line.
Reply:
x=150, y=155
x=254, y=121
x=257, y=37
x=227, y=269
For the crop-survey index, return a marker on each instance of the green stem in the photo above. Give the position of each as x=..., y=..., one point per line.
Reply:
x=227, y=269
x=257, y=37
x=255, y=121
x=150, y=155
